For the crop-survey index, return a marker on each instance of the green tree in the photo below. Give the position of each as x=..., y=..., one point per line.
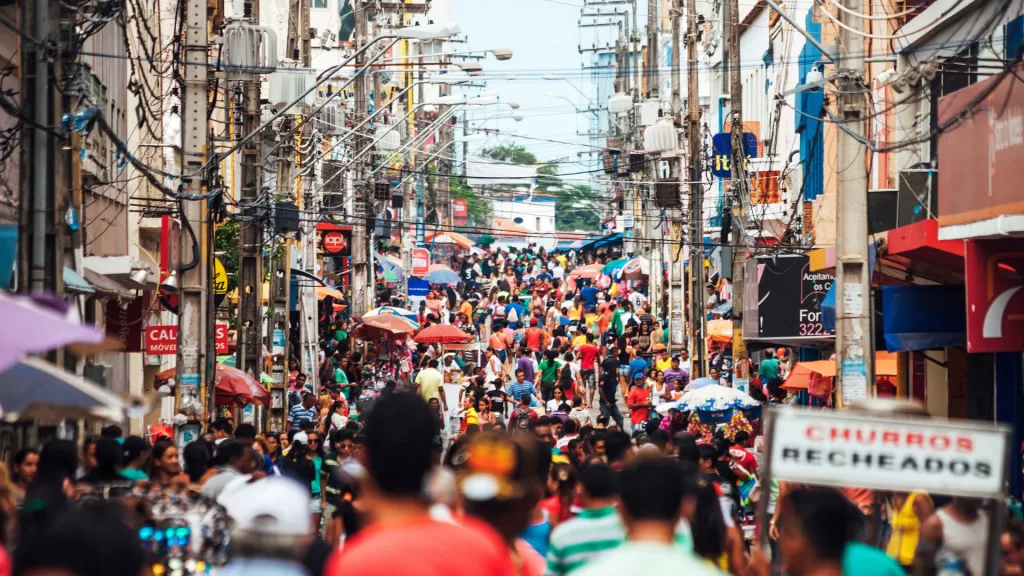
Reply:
x=576, y=206
x=478, y=207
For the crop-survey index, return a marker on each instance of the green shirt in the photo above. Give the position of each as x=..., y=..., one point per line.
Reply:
x=768, y=369
x=549, y=370
x=314, y=485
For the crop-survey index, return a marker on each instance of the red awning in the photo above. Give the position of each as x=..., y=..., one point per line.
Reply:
x=917, y=248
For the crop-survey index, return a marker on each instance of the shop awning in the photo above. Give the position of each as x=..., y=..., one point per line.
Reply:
x=108, y=285
x=603, y=241
x=73, y=282
x=923, y=317
x=454, y=236
x=916, y=248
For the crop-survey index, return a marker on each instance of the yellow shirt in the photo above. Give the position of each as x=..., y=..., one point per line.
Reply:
x=429, y=382
x=663, y=364
x=906, y=529
x=466, y=309
x=579, y=341
x=472, y=417
x=562, y=260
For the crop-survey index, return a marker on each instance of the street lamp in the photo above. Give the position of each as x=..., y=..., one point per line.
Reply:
x=557, y=78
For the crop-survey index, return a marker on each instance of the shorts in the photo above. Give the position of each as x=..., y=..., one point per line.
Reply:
x=315, y=504
x=589, y=379
x=624, y=370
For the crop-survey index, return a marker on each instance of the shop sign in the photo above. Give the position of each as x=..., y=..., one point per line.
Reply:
x=995, y=307
x=981, y=156
x=420, y=262
x=721, y=144
x=124, y=324
x=335, y=243
x=460, y=208
x=163, y=340
x=902, y=455
x=789, y=298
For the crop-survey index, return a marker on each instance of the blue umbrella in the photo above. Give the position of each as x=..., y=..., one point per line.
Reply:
x=442, y=276
x=698, y=383
x=40, y=390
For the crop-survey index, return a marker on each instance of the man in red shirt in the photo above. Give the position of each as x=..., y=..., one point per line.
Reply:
x=523, y=416
x=639, y=403
x=399, y=434
x=535, y=337
x=588, y=367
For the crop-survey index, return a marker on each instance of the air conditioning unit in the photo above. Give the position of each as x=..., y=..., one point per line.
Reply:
x=914, y=200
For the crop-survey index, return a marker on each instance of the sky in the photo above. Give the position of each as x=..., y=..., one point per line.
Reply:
x=544, y=37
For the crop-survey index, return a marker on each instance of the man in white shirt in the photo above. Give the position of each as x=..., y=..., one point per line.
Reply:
x=637, y=299
x=557, y=272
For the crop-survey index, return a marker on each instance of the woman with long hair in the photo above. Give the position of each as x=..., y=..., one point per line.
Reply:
x=164, y=468
x=557, y=398
x=274, y=447
x=315, y=455
x=196, y=457
x=23, y=471
x=561, y=486
x=333, y=419
x=108, y=464
x=46, y=498
x=136, y=452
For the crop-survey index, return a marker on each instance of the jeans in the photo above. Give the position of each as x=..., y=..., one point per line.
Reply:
x=612, y=412
x=547, y=390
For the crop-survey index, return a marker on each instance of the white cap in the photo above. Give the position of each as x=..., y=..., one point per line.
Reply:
x=301, y=438
x=275, y=506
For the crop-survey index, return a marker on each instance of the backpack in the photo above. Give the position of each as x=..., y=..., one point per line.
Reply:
x=522, y=419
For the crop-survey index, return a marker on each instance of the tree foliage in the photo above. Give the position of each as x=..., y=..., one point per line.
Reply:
x=576, y=206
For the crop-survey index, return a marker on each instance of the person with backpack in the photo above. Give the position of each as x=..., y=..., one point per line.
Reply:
x=523, y=417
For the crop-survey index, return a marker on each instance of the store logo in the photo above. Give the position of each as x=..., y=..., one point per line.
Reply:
x=334, y=242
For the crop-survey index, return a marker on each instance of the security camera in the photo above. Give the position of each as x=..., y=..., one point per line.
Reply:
x=813, y=77
x=886, y=76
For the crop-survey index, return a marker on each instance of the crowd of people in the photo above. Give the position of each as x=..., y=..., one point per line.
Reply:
x=521, y=463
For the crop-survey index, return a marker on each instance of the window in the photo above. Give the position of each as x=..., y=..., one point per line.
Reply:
x=538, y=224
x=320, y=4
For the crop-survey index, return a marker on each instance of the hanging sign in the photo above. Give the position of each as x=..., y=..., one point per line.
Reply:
x=420, y=262
x=163, y=340
x=721, y=144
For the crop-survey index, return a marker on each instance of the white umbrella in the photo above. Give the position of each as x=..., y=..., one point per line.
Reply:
x=39, y=390
x=713, y=398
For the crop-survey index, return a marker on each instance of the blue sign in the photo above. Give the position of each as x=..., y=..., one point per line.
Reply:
x=418, y=287
x=189, y=380
x=721, y=144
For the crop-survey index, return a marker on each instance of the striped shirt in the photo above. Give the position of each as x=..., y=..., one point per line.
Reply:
x=516, y=390
x=297, y=413
x=575, y=542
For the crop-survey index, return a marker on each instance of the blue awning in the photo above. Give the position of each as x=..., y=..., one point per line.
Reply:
x=73, y=282
x=603, y=241
x=923, y=317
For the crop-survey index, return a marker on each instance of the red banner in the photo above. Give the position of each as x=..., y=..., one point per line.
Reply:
x=993, y=271
x=420, y=262
x=163, y=340
x=125, y=323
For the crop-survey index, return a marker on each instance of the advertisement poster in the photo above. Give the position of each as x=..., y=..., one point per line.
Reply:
x=789, y=298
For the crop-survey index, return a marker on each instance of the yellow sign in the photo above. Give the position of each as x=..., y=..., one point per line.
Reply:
x=220, y=278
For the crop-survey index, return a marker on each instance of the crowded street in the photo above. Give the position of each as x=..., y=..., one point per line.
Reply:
x=511, y=288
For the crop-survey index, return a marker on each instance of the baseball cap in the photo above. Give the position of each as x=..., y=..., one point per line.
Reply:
x=533, y=322
x=275, y=506
x=497, y=467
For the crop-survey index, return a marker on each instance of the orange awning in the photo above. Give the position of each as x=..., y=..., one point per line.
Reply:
x=455, y=236
x=803, y=373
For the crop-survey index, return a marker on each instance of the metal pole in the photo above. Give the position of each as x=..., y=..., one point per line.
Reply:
x=696, y=202
x=741, y=189
x=40, y=149
x=193, y=279
x=652, y=49
x=853, y=329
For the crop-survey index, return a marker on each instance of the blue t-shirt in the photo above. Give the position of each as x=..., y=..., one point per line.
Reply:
x=589, y=296
x=636, y=365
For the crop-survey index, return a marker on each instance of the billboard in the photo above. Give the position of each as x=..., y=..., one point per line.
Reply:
x=789, y=298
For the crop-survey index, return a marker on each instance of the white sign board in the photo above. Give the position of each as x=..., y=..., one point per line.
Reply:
x=896, y=453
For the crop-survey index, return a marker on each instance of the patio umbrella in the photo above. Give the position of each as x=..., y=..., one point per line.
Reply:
x=442, y=334
x=322, y=293
x=698, y=383
x=614, y=266
x=712, y=398
x=805, y=374
x=232, y=386
x=636, y=269
x=43, y=323
x=391, y=311
x=588, y=271
x=35, y=389
x=391, y=276
x=383, y=326
x=442, y=275
x=720, y=330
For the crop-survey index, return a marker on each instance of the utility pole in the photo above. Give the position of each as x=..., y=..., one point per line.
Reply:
x=41, y=272
x=652, y=217
x=679, y=170
x=193, y=278
x=854, y=350
x=250, y=250
x=363, y=190
x=696, y=332
x=652, y=49
x=741, y=192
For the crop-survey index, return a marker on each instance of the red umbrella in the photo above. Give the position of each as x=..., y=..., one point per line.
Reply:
x=442, y=334
x=588, y=271
x=232, y=386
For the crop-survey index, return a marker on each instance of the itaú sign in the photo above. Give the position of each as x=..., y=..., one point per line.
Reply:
x=993, y=278
x=901, y=454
